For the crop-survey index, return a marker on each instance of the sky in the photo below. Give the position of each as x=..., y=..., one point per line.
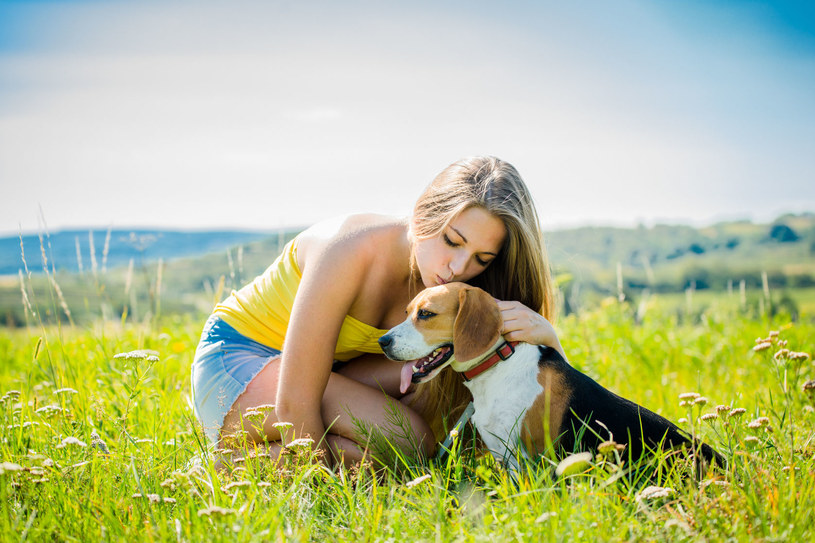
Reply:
x=265, y=114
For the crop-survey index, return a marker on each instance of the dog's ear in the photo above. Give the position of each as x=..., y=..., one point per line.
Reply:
x=478, y=324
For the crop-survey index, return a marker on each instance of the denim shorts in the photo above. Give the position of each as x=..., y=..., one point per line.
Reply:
x=225, y=362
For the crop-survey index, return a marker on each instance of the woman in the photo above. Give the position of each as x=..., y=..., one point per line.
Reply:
x=339, y=285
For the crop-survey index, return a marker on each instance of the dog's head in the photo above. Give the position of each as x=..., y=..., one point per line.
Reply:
x=449, y=324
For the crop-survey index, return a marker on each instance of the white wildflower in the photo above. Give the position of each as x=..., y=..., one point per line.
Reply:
x=762, y=346
x=653, y=493
x=607, y=448
x=214, y=510
x=237, y=484
x=66, y=391
x=71, y=440
x=138, y=354
x=573, y=464
x=737, y=412
x=760, y=422
x=301, y=443
x=49, y=410
x=10, y=467
x=545, y=516
x=99, y=443
x=152, y=498
x=418, y=480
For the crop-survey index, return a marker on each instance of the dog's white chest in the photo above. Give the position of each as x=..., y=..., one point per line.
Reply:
x=501, y=397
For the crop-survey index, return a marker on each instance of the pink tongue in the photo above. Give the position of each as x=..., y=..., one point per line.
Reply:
x=406, y=376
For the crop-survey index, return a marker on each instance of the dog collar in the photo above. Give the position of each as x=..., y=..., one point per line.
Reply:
x=503, y=352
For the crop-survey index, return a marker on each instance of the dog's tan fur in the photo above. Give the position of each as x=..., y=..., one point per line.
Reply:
x=554, y=402
x=471, y=319
x=439, y=329
x=463, y=315
x=533, y=396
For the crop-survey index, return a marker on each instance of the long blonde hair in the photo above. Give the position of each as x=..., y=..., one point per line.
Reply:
x=520, y=272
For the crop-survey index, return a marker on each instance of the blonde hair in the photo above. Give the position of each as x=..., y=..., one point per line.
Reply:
x=520, y=272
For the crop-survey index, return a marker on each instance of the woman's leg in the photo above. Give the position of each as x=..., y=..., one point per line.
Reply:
x=376, y=371
x=341, y=450
x=344, y=400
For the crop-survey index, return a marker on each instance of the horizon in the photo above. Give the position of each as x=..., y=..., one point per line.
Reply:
x=80, y=229
x=264, y=115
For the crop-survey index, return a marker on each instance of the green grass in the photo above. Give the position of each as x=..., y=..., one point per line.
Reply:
x=51, y=489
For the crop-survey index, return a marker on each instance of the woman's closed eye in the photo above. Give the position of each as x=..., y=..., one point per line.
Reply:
x=481, y=262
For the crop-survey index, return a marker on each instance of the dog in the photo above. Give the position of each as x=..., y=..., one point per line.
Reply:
x=523, y=394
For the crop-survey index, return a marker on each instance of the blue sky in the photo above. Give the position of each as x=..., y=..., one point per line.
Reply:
x=262, y=114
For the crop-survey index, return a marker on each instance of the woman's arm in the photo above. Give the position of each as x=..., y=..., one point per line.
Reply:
x=331, y=280
x=523, y=324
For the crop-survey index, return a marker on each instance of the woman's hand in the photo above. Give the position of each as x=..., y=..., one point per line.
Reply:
x=523, y=324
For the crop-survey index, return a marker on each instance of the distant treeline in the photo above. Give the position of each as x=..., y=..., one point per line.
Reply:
x=137, y=275
x=670, y=258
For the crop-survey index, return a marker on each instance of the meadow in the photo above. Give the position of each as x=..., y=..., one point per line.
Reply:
x=100, y=442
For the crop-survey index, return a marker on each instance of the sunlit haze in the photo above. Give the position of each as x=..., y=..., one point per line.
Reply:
x=264, y=114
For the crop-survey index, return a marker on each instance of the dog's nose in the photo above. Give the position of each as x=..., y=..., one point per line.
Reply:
x=385, y=341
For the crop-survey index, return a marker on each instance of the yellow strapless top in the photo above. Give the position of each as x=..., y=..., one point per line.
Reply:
x=262, y=309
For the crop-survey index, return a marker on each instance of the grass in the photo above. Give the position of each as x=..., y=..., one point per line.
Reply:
x=100, y=447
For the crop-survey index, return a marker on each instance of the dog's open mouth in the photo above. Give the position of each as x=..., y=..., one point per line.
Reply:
x=417, y=371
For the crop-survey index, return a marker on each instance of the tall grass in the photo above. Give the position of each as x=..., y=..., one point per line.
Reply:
x=100, y=447
x=100, y=443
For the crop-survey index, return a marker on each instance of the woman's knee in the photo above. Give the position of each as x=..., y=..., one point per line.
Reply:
x=260, y=392
x=349, y=408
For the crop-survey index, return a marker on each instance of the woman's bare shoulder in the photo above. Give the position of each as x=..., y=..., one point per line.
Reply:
x=361, y=237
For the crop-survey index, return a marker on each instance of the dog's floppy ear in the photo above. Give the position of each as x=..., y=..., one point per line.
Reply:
x=478, y=324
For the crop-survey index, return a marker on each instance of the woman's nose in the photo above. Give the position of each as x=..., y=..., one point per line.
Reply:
x=457, y=265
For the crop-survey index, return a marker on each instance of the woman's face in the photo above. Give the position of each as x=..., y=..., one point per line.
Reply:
x=462, y=250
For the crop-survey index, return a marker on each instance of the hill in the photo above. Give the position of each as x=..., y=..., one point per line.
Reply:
x=668, y=258
x=79, y=250
x=145, y=272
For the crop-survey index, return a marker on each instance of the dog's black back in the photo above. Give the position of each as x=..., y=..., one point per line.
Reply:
x=631, y=424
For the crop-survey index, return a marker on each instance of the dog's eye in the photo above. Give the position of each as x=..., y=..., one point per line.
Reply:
x=424, y=314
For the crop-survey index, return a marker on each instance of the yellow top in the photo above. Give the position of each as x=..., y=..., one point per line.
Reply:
x=262, y=309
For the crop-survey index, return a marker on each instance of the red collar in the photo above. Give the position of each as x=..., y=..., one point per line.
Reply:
x=504, y=351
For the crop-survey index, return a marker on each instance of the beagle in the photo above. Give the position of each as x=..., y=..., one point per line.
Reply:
x=520, y=390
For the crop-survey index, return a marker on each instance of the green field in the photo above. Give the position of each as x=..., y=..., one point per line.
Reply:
x=153, y=480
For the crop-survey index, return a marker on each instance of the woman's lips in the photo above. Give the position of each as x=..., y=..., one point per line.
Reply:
x=440, y=281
